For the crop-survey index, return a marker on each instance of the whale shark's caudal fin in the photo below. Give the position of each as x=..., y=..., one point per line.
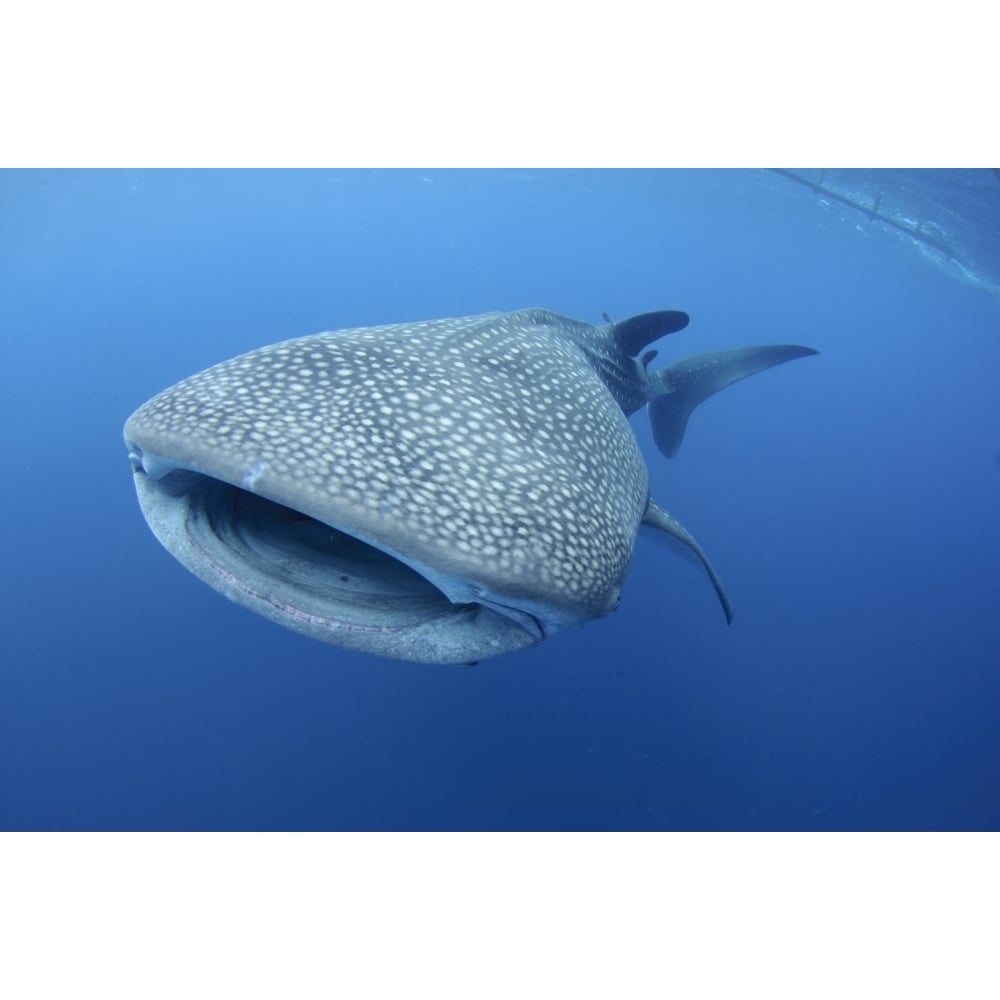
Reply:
x=687, y=383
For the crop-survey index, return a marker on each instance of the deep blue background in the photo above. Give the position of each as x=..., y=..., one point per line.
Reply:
x=850, y=503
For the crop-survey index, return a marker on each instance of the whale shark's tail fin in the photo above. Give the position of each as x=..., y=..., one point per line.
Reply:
x=687, y=383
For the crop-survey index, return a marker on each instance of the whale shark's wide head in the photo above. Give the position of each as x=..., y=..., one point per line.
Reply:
x=439, y=491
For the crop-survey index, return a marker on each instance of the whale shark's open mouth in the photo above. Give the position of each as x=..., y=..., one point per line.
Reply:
x=312, y=577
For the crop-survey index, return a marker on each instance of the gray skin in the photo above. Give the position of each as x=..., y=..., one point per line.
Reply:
x=440, y=491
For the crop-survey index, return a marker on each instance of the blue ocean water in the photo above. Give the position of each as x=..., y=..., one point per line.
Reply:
x=851, y=503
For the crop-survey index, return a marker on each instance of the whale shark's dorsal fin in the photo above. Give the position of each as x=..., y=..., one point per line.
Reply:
x=634, y=333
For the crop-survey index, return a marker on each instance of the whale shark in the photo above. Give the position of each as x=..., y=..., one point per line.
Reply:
x=439, y=491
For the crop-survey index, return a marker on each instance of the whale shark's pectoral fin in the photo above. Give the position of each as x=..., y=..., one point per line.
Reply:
x=657, y=517
x=687, y=383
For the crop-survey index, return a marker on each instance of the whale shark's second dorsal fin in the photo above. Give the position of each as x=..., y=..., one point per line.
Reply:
x=685, y=384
